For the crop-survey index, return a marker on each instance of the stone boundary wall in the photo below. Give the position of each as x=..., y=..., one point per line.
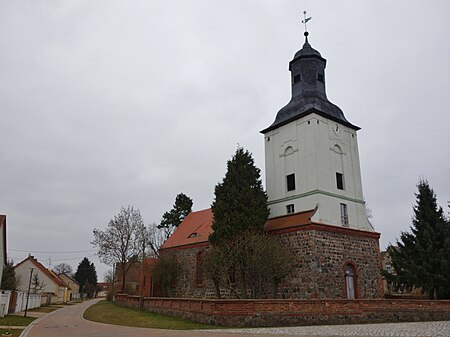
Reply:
x=279, y=312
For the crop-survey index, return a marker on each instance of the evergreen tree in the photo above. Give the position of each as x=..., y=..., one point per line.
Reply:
x=86, y=276
x=240, y=202
x=9, y=279
x=421, y=256
x=239, y=209
x=173, y=218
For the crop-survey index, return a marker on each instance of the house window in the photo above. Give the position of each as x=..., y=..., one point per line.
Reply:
x=339, y=181
x=320, y=78
x=297, y=78
x=290, y=208
x=199, y=275
x=344, y=215
x=290, y=182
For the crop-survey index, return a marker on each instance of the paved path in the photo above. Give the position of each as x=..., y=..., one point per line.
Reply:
x=68, y=322
x=415, y=329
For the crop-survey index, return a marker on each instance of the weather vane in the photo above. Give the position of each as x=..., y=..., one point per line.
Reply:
x=305, y=20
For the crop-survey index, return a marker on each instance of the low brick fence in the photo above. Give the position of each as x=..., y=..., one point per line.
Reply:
x=278, y=312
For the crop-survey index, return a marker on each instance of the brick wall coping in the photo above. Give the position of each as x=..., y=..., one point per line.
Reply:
x=294, y=300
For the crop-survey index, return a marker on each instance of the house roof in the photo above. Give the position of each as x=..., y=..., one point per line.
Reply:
x=194, y=229
x=197, y=227
x=3, y=229
x=104, y=285
x=72, y=280
x=57, y=280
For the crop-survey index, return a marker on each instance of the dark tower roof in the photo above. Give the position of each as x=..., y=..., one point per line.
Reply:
x=308, y=90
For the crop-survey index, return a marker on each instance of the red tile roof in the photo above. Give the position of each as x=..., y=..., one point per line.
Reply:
x=197, y=226
x=289, y=220
x=194, y=229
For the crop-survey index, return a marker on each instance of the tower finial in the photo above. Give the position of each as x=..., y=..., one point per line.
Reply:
x=305, y=20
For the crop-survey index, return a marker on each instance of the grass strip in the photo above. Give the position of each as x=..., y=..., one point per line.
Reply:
x=45, y=308
x=111, y=313
x=14, y=333
x=13, y=320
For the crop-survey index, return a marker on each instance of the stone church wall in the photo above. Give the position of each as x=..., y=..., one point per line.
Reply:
x=322, y=258
x=319, y=271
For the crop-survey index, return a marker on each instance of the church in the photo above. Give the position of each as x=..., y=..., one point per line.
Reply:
x=315, y=197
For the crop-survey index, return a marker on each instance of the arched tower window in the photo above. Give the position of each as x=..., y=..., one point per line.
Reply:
x=350, y=281
x=200, y=268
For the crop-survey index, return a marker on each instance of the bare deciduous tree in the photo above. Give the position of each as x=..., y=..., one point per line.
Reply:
x=120, y=243
x=260, y=257
x=165, y=272
x=63, y=268
x=156, y=237
x=37, y=284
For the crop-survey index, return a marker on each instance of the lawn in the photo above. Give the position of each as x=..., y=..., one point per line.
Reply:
x=46, y=308
x=110, y=313
x=15, y=333
x=13, y=320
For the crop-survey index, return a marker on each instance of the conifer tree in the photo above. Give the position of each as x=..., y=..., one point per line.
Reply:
x=239, y=209
x=240, y=202
x=421, y=256
x=86, y=276
x=173, y=218
x=9, y=278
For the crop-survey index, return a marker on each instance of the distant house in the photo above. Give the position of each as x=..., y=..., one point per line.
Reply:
x=391, y=288
x=134, y=278
x=2, y=243
x=102, y=288
x=73, y=287
x=43, y=281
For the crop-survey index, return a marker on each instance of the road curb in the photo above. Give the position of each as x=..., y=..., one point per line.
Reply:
x=30, y=326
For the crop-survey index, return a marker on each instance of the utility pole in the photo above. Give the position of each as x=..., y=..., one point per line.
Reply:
x=141, y=288
x=112, y=285
x=28, y=292
x=68, y=292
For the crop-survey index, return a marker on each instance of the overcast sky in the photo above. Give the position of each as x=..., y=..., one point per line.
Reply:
x=111, y=103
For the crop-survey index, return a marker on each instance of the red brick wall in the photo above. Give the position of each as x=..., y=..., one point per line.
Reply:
x=249, y=313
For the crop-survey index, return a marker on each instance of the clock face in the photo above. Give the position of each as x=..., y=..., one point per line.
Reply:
x=336, y=130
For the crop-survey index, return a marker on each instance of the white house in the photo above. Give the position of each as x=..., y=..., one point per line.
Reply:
x=43, y=281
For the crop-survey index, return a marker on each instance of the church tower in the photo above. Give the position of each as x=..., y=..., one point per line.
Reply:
x=311, y=152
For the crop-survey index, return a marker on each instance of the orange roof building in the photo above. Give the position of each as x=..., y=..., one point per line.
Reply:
x=326, y=254
x=43, y=280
